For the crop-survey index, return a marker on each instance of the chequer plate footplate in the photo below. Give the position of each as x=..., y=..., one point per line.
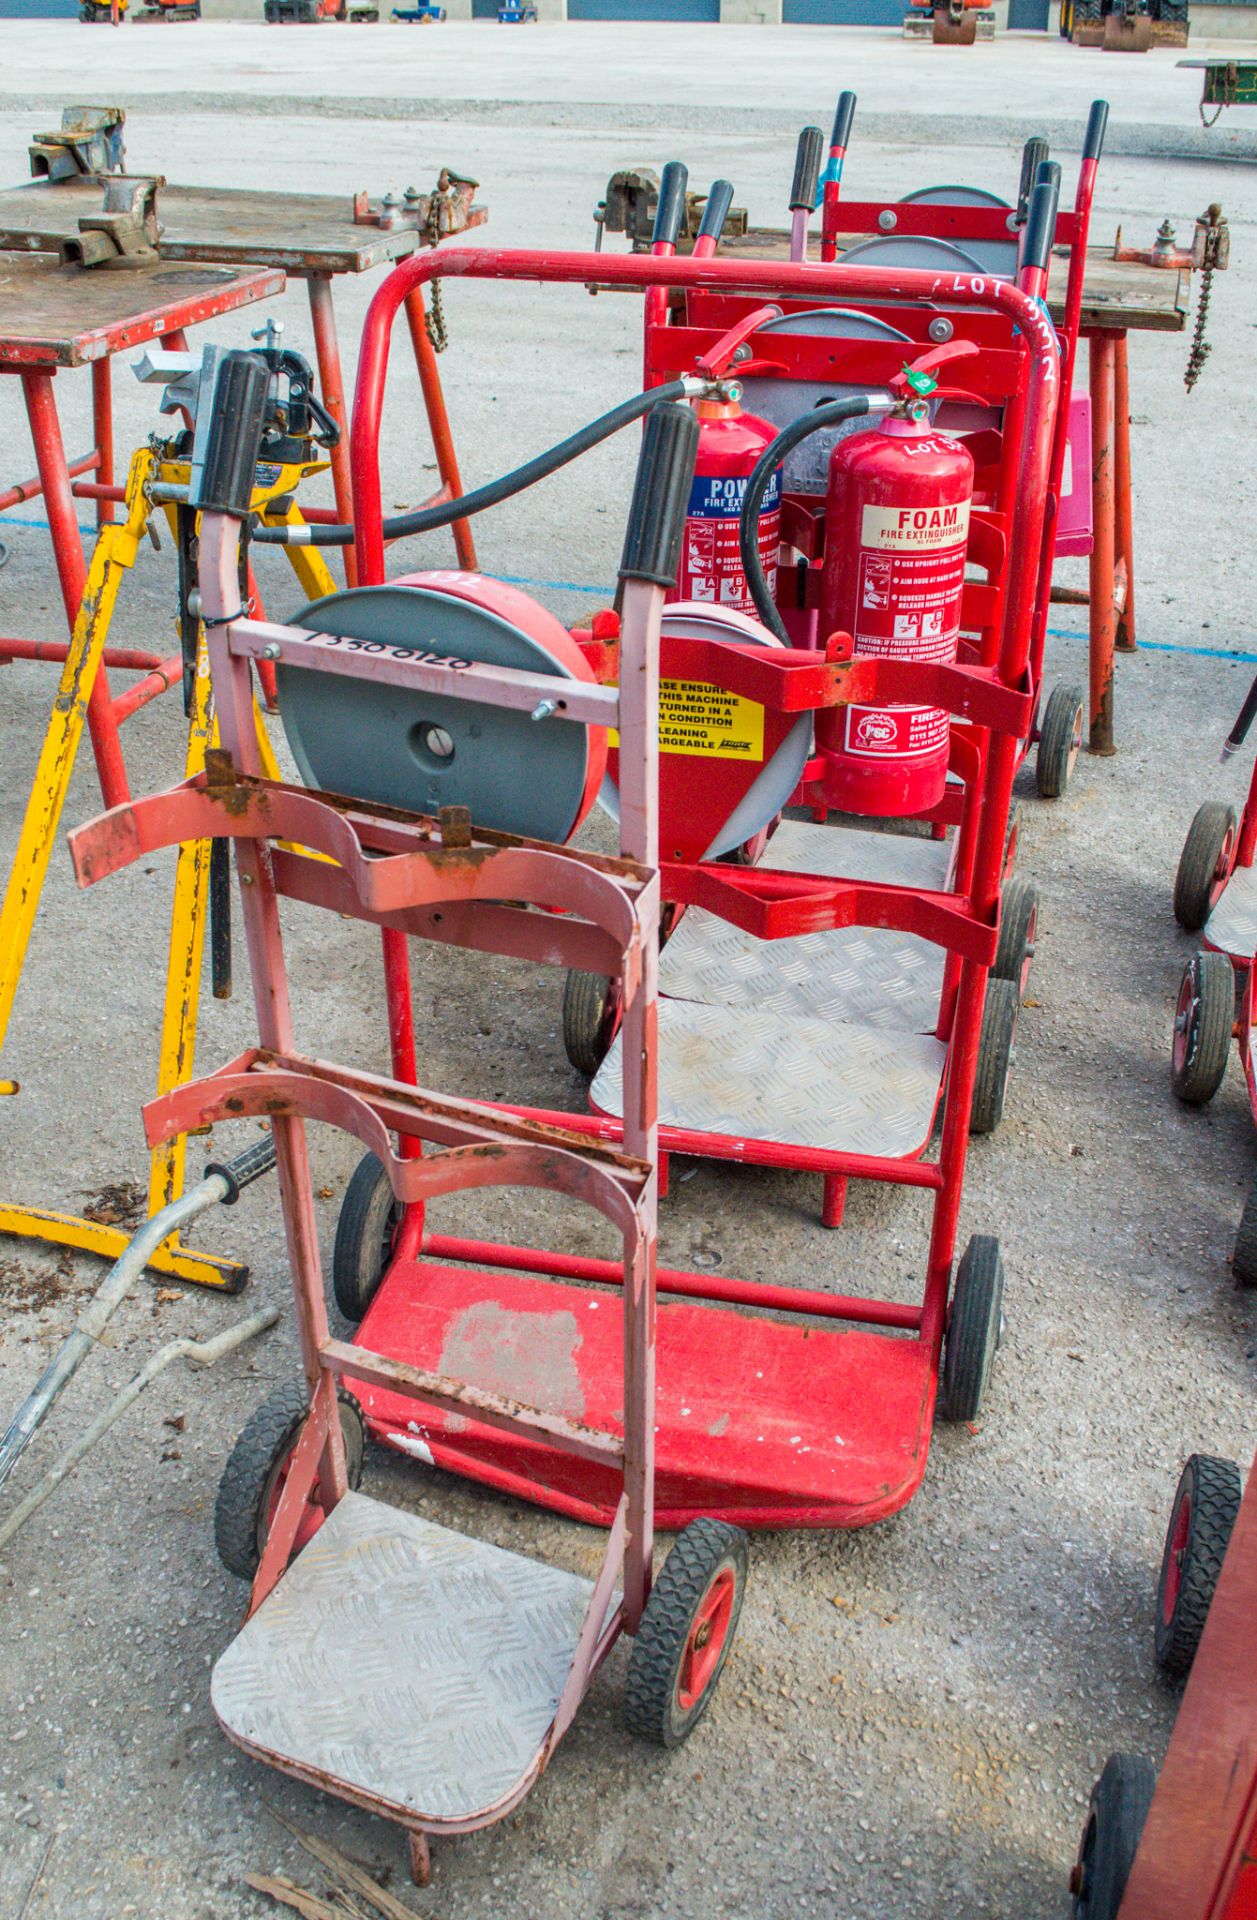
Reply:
x=867, y=974
x=405, y=1662
x=800, y=1082
x=1232, y=926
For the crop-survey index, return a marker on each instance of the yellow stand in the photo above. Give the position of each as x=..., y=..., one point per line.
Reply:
x=115, y=554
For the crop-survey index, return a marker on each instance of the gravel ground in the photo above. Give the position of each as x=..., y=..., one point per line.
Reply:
x=913, y=1715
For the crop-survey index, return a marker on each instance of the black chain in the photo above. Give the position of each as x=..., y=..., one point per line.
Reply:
x=434, y=319
x=1200, y=348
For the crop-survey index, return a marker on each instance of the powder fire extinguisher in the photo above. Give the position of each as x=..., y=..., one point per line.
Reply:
x=731, y=443
x=896, y=536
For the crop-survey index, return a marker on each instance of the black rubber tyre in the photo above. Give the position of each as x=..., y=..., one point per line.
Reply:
x=590, y=1014
x=995, y=1054
x=1060, y=740
x=365, y=1231
x=1018, y=925
x=1244, y=1258
x=1201, y=1522
x=1203, y=1020
x=696, y=1600
x=1120, y=1800
x=1204, y=866
x=974, y=1328
x=265, y=1442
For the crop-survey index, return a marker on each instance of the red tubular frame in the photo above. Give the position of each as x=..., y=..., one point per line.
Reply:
x=1005, y=673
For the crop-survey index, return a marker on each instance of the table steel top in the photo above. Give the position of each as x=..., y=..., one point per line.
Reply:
x=54, y=316
x=235, y=227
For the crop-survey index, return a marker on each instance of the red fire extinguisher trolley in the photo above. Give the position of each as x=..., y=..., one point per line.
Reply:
x=1215, y=895
x=799, y=1407
x=1183, y=1845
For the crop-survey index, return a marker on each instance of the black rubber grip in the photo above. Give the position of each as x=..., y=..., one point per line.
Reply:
x=1041, y=219
x=844, y=114
x=235, y=436
x=661, y=495
x=671, y=209
x=1243, y=721
x=1097, y=121
x=809, y=155
x=244, y=1169
x=716, y=212
x=1033, y=154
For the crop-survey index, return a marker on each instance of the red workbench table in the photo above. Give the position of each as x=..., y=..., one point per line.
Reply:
x=53, y=318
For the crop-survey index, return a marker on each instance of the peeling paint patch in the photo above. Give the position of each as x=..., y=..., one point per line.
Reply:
x=529, y=1357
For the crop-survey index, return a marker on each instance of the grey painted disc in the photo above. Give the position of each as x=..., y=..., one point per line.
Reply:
x=390, y=746
x=924, y=251
x=954, y=197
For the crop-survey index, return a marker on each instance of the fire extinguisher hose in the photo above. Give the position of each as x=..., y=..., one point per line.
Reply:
x=831, y=414
x=428, y=519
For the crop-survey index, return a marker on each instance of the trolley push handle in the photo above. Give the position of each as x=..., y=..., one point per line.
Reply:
x=803, y=188
x=1243, y=721
x=1040, y=231
x=656, y=521
x=1097, y=122
x=671, y=208
x=840, y=136
x=1033, y=154
x=807, y=170
x=223, y=476
x=715, y=213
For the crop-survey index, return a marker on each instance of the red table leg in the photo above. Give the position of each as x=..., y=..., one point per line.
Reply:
x=1103, y=601
x=1125, y=557
x=332, y=387
x=102, y=427
x=41, y=411
x=438, y=420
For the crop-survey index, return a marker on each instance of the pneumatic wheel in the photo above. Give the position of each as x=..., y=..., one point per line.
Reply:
x=686, y=1632
x=370, y=1215
x=1203, y=1020
x=1120, y=1800
x=1204, y=866
x=995, y=1054
x=591, y=1014
x=1060, y=740
x=1018, y=925
x=974, y=1328
x=253, y=1478
x=1201, y=1523
x=1244, y=1258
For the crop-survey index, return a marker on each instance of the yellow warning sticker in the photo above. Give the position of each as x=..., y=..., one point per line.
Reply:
x=697, y=719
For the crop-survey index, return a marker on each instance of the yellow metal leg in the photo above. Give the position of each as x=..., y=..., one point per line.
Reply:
x=114, y=554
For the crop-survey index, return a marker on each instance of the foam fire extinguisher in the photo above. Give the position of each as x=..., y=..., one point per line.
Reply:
x=896, y=536
x=896, y=533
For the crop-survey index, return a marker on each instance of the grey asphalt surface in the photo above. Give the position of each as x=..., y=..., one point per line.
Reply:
x=913, y=1715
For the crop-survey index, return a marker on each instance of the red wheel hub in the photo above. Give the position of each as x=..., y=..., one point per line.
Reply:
x=706, y=1642
x=1183, y=1022
x=1180, y=1527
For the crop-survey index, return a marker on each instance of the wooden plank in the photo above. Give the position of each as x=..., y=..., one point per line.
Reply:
x=300, y=232
x=54, y=316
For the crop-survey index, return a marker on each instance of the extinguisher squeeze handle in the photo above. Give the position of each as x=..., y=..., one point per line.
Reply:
x=671, y=208
x=1097, y=121
x=1041, y=220
x=656, y=522
x=1033, y=154
x=844, y=114
x=807, y=170
x=716, y=212
x=936, y=357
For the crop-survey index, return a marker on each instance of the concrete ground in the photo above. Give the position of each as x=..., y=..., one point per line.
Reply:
x=913, y=1715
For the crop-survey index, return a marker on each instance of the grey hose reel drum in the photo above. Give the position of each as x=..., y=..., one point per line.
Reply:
x=391, y=746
